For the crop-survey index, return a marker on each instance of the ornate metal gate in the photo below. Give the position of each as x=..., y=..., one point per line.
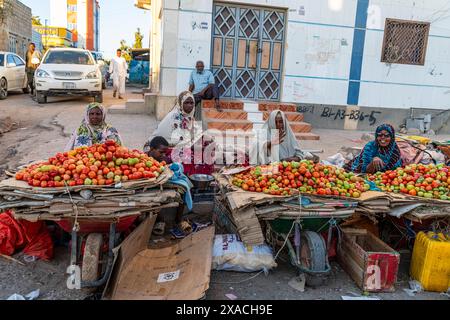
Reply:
x=248, y=47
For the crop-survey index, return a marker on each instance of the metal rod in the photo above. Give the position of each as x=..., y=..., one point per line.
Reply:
x=73, y=251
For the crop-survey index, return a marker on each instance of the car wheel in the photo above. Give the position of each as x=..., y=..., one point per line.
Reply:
x=99, y=98
x=40, y=97
x=3, y=88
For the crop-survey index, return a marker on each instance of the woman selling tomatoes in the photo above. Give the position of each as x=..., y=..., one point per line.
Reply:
x=277, y=142
x=382, y=154
x=93, y=129
x=186, y=141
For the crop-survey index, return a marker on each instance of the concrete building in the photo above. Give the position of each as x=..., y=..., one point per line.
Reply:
x=54, y=37
x=81, y=17
x=351, y=63
x=15, y=27
x=37, y=40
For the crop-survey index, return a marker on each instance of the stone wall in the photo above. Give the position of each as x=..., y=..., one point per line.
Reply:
x=15, y=24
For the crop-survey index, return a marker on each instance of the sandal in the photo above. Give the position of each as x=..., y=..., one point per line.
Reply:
x=158, y=230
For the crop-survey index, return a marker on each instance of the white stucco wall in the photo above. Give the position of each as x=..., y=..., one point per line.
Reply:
x=319, y=46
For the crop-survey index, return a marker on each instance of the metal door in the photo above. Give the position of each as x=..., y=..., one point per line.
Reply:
x=248, y=46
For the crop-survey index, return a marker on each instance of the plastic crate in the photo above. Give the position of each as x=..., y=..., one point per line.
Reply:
x=430, y=264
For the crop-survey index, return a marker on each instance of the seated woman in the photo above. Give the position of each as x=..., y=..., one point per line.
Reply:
x=264, y=151
x=93, y=129
x=181, y=131
x=382, y=154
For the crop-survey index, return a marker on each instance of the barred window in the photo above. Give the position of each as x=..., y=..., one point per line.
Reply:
x=405, y=42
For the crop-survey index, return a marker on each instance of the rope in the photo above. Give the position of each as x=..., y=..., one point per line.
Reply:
x=76, y=225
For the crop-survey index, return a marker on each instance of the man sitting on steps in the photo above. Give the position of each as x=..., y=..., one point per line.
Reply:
x=203, y=86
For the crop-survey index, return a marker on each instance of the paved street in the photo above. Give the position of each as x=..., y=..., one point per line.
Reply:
x=45, y=130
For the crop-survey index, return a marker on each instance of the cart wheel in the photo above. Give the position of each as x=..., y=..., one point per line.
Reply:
x=91, y=257
x=313, y=256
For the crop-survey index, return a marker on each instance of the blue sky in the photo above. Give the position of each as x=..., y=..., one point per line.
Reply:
x=119, y=19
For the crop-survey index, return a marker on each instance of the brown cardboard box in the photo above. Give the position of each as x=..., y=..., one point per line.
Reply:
x=178, y=271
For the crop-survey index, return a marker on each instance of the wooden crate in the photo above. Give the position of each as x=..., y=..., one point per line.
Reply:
x=370, y=262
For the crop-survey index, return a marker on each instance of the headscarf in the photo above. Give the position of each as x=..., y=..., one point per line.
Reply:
x=287, y=148
x=390, y=154
x=88, y=134
x=175, y=120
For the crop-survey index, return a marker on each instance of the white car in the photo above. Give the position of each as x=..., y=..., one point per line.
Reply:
x=12, y=74
x=68, y=72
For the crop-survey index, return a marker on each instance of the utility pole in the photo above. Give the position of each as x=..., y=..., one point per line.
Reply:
x=46, y=36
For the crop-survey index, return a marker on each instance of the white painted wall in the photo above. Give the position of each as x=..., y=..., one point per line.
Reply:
x=318, y=53
x=58, y=13
x=82, y=23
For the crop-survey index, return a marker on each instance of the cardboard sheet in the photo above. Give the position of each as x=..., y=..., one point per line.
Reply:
x=178, y=271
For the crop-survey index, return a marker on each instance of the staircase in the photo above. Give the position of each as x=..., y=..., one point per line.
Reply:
x=249, y=116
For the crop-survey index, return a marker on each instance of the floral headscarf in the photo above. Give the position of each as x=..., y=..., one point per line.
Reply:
x=177, y=119
x=88, y=134
x=390, y=154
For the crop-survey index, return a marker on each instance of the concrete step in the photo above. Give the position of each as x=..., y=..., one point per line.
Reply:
x=291, y=116
x=225, y=114
x=132, y=106
x=117, y=109
x=224, y=104
x=229, y=124
x=251, y=107
x=277, y=106
x=135, y=106
x=300, y=127
x=307, y=136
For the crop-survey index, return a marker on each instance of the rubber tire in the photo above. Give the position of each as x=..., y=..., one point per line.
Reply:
x=99, y=98
x=41, y=98
x=316, y=250
x=3, y=89
x=91, y=257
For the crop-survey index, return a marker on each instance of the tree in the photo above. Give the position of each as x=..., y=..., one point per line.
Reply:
x=138, y=36
x=126, y=50
x=36, y=21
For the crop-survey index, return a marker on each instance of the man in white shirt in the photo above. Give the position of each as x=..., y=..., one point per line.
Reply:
x=118, y=70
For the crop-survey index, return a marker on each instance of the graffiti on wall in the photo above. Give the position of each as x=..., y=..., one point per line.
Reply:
x=341, y=113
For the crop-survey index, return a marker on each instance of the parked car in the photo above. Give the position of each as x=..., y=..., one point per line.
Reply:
x=98, y=56
x=12, y=74
x=68, y=72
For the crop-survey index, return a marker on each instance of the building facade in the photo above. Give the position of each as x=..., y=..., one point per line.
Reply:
x=37, y=40
x=15, y=27
x=81, y=17
x=335, y=54
x=54, y=37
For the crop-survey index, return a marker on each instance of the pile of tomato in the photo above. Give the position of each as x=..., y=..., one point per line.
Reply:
x=428, y=181
x=101, y=164
x=286, y=178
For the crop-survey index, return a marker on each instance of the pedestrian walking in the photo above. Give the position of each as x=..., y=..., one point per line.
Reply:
x=33, y=59
x=118, y=70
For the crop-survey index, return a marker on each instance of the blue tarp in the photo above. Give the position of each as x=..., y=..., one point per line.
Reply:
x=139, y=72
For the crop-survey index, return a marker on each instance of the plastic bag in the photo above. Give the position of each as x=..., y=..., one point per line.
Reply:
x=40, y=246
x=34, y=236
x=231, y=254
x=11, y=234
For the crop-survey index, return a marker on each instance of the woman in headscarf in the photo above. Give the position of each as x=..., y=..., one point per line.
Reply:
x=382, y=154
x=182, y=132
x=273, y=147
x=93, y=129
